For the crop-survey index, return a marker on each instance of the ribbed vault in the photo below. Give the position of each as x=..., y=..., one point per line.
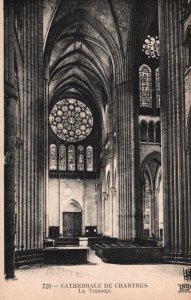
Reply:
x=79, y=58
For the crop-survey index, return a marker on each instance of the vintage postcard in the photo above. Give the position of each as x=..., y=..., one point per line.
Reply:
x=96, y=149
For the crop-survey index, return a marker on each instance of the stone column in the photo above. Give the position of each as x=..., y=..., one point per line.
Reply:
x=41, y=117
x=110, y=199
x=10, y=94
x=155, y=129
x=26, y=66
x=125, y=161
x=140, y=218
x=112, y=150
x=187, y=214
x=114, y=213
x=104, y=195
x=147, y=132
x=46, y=158
x=156, y=213
x=9, y=179
x=173, y=127
x=152, y=212
x=124, y=106
x=107, y=214
x=99, y=212
x=99, y=208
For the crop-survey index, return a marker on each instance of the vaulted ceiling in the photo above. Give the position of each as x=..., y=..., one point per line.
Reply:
x=84, y=42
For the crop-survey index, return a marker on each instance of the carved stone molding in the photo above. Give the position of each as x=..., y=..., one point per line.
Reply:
x=104, y=196
x=113, y=191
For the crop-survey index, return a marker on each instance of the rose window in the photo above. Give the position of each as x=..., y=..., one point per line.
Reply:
x=71, y=120
x=151, y=47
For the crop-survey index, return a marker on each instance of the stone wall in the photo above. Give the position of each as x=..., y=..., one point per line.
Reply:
x=62, y=192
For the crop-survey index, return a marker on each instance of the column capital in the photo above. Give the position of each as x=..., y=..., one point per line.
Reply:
x=104, y=195
x=113, y=191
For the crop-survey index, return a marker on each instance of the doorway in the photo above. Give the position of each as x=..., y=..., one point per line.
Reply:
x=72, y=219
x=72, y=224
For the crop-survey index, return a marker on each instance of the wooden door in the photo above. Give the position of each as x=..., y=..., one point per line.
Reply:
x=67, y=224
x=72, y=224
x=77, y=224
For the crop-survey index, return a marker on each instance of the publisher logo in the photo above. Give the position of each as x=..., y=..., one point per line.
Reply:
x=184, y=288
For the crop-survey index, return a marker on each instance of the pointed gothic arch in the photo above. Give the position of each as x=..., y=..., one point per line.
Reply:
x=151, y=178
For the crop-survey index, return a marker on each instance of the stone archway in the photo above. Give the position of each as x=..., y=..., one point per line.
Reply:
x=150, y=199
x=72, y=219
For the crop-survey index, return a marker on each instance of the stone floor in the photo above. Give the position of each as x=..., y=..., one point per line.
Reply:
x=111, y=281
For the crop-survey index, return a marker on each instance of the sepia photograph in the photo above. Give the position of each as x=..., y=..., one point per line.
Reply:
x=96, y=149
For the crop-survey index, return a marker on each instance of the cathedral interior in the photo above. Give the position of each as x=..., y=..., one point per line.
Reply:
x=97, y=126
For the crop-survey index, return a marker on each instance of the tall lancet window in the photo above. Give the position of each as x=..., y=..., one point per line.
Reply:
x=62, y=158
x=71, y=158
x=145, y=86
x=53, y=157
x=80, y=158
x=157, y=82
x=147, y=203
x=89, y=158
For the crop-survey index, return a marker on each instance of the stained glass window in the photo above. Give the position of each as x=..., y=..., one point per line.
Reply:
x=145, y=86
x=53, y=157
x=71, y=158
x=62, y=158
x=89, y=158
x=146, y=218
x=157, y=82
x=147, y=201
x=80, y=158
x=71, y=120
x=151, y=47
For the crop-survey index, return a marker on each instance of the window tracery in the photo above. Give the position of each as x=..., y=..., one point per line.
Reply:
x=151, y=47
x=53, y=157
x=62, y=158
x=71, y=158
x=157, y=83
x=71, y=120
x=147, y=201
x=89, y=158
x=80, y=158
x=145, y=86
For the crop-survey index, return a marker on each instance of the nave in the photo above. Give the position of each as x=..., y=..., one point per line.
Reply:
x=97, y=120
x=142, y=281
